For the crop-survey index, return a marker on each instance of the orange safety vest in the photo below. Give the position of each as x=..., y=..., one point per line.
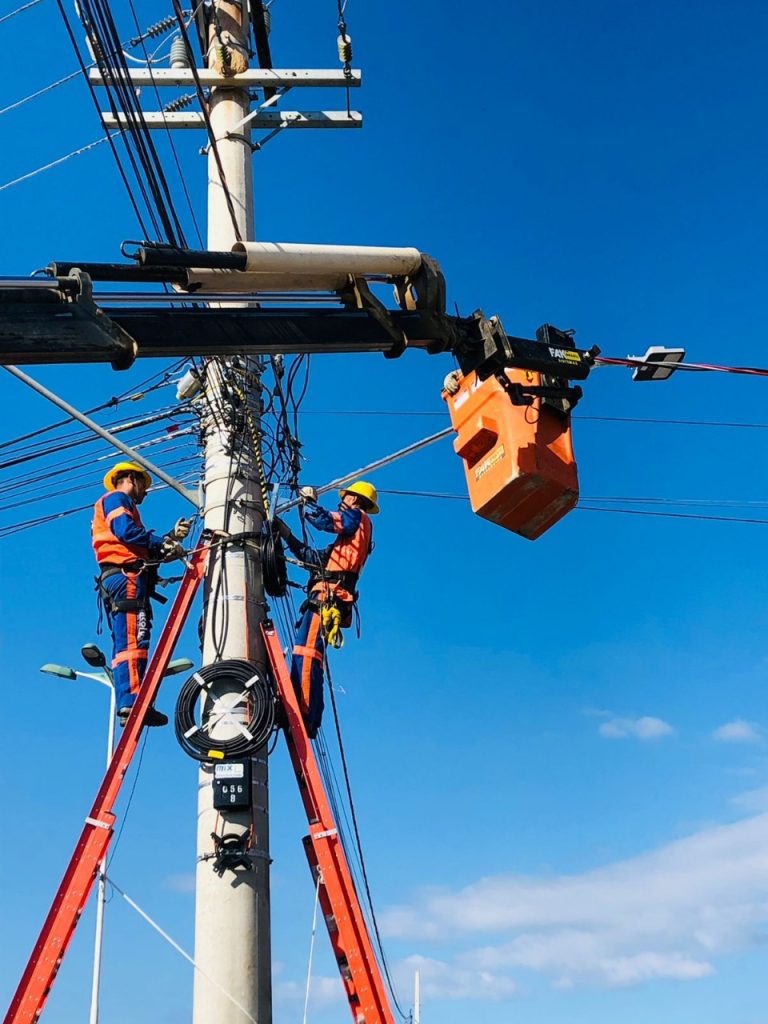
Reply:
x=107, y=546
x=348, y=555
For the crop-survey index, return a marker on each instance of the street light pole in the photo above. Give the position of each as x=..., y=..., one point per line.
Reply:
x=101, y=898
x=104, y=677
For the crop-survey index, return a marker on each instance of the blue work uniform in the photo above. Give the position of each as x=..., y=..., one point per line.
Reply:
x=338, y=567
x=122, y=545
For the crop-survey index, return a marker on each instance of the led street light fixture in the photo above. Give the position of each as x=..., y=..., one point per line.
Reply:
x=660, y=363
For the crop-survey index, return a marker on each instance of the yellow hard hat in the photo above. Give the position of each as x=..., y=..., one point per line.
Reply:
x=364, y=490
x=125, y=467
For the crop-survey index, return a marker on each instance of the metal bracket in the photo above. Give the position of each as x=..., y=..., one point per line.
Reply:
x=358, y=295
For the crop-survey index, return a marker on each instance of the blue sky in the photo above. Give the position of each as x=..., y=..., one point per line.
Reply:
x=558, y=749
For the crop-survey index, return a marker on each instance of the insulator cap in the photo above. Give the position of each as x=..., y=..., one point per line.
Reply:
x=179, y=54
x=344, y=45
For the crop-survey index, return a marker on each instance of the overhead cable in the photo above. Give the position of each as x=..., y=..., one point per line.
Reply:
x=133, y=394
x=576, y=416
x=40, y=92
x=755, y=371
x=81, y=439
x=673, y=515
x=358, y=841
x=159, y=28
x=20, y=10
x=591, y=508
x=163, y=934
x=99, y=24
x=212, y=141
x=131, y=453
x=378, y=464
x=171, y=143
x=54, y=163
x=109, y=138
x=13, y=528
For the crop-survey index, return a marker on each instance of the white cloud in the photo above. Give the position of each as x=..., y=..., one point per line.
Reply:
x=323, y=992
x=752, y=799
x=180, y=883
x=669, y=914
x=442, y=980
x=645, y=728
x=738, y=731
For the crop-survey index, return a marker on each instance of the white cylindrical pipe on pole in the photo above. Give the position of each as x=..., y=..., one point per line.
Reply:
x=234, y=281
x=232, y=912
x=307, y=258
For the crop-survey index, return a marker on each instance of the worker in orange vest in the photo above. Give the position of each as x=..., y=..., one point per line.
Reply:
x=332, y=588
x=128, y=555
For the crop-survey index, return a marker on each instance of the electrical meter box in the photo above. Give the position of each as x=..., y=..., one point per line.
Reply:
x=518, y=458
x=232, y=785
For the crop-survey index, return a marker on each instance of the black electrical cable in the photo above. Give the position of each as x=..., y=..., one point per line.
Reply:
x=358, y=843
x=116, y=843
x=209, y=127
x=89, y=438
x=110, y=138
x=257, y=700
x=100, y=25
x=273, y=565
x=170, y=137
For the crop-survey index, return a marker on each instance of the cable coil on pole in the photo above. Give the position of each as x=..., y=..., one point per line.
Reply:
x=275, y=571
x=238, y=696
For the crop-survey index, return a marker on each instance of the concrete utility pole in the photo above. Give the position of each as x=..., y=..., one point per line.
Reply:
x=232, y=916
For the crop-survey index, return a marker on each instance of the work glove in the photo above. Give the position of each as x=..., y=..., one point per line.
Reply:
x=452, y=382
x=181, y=529
x=308, y=494
x=170, y=549
x=282, y=528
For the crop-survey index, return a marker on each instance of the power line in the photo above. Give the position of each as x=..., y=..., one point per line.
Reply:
x=110, y=139
x=212, y=142
x=99, y=24
x=20, y=10
x=53, y=163
x=172, y=144
x=591, y=508
x=673, y=515
x=40, y=92
x=756, y=371
x=576, y=416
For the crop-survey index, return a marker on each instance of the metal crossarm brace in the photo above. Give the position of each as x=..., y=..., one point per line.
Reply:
x=253, y=78
x=341, y=908
x=289, y=119
x=69, y=902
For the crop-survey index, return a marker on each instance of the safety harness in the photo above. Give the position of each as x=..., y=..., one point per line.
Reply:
x=110, y=606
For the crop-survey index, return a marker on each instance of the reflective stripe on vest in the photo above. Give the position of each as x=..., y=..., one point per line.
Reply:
x=107, y=546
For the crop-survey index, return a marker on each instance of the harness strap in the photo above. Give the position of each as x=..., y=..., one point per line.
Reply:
x=137, y=654
x=308, y=652
x=346, y=579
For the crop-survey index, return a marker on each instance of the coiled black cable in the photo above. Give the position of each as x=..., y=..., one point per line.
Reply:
x=193, y=727
x=275, y=571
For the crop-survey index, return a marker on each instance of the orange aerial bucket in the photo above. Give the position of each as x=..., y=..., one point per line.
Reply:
x=518, y=459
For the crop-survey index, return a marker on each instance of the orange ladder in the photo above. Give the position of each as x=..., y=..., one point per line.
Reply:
x=76, y=885
x=338, y=899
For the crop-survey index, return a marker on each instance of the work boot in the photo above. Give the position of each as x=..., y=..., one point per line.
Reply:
x=153, y=717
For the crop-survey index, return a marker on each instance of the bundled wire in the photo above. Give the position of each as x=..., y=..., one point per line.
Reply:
x=257, y=700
